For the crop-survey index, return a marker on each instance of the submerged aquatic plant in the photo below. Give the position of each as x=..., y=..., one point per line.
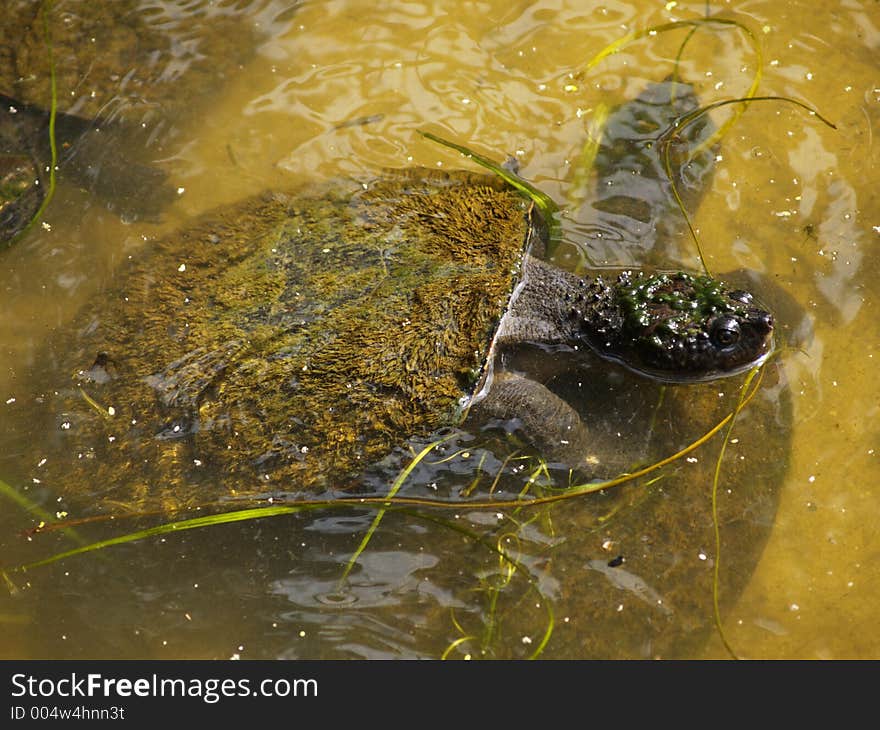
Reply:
x=384, y=502
x=693, y=25
x=664, y=142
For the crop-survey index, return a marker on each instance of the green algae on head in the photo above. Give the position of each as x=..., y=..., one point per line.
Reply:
x=676, y=327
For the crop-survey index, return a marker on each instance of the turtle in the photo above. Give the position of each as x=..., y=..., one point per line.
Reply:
x=292, y=340
x=120, y=96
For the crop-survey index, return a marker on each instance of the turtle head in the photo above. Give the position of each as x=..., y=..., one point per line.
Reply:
x=679, y=327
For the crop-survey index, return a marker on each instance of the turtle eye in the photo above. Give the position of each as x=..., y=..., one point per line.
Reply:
x=724, y=332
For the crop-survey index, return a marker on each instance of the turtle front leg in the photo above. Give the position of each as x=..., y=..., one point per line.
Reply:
x=544, y=419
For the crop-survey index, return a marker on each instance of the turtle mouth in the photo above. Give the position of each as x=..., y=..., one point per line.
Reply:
x=726, y=369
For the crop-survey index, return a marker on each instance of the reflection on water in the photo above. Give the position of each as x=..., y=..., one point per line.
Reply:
x=792, y=202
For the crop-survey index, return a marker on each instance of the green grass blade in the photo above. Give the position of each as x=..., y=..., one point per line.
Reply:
x=178, y=526
x=664, y=141
x=548, y=632
x=653, y=30
x=387, y=501
x=721, y=23
x=401, y=478
x=715, y=481
x=13, y=495
x=586, y=160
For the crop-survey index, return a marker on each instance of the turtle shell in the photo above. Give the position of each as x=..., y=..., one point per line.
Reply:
x=285, y=343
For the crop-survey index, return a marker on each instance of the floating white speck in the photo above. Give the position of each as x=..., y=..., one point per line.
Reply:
x=10, y=401
x=181, y=190
x=111, y=411
x=526, y=639
x=181, y=268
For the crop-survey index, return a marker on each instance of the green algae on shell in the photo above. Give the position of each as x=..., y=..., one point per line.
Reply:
x=291, y=337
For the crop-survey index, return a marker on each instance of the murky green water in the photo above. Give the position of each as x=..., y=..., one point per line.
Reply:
x=270, y=93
